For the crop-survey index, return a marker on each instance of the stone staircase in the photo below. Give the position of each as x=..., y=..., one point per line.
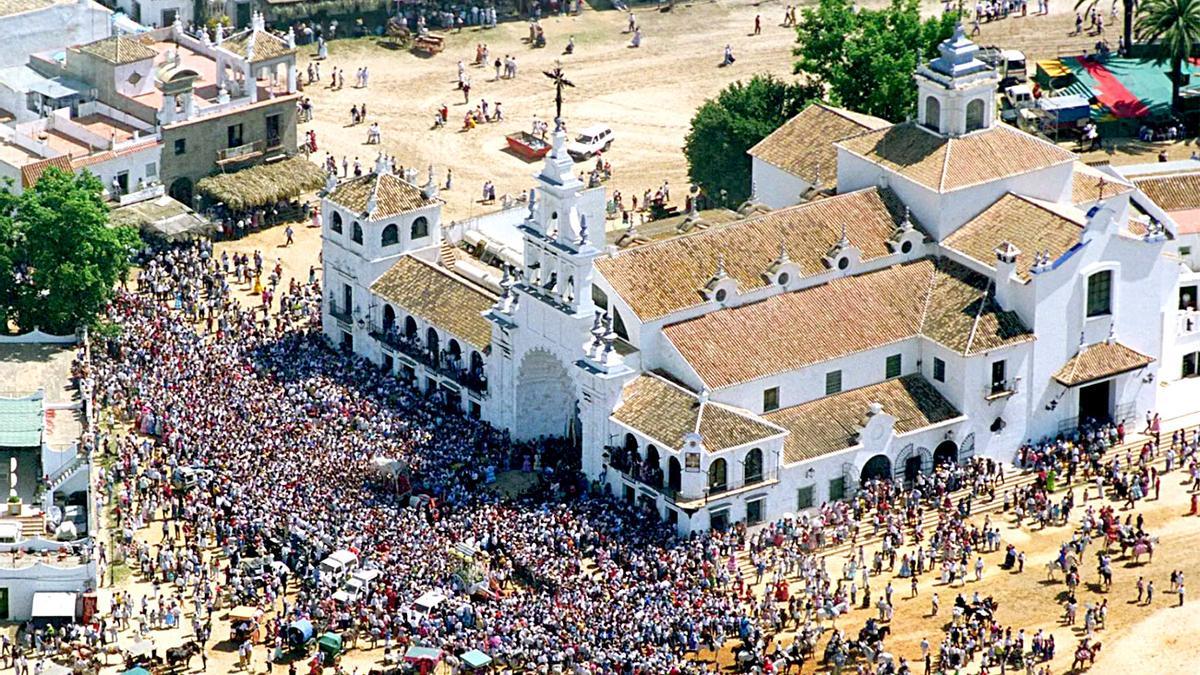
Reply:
x=31, y=525
x=66, y=473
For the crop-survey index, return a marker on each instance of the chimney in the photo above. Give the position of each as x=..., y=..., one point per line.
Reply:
x=1006, y=272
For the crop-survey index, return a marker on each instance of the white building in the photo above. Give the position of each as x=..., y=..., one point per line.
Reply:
x=947, y=288
x=31, y=26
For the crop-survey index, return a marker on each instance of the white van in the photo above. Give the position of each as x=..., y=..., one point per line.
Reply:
x=590, y=141
x=356, y=585
x=423, y=606
x=338, y=566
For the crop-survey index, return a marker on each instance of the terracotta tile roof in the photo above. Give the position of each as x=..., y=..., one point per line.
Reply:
x=667, y=412
x=30, y=173
x=945, y=164
x=938, y=299
x=105, y=155
x=832, y=423
x=118, y=50
x=1099, y=361
x=1177, y=192
x=10, y=7
x=439, y=297
x=1086, y=184
x=961, y=315
x=662, y=277
x=266, y=45
x=393, y=195
x=804, y=144
x=1024, y=223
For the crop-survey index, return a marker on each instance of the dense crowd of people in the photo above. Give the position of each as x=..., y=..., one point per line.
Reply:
x=285, y=436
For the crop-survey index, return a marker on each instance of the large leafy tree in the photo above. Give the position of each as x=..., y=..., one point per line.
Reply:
x=863, y=59
x=1174, y=25
x=59, y=256
x=725, y=128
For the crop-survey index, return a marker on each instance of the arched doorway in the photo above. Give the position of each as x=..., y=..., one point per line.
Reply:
x=652, y=468
x=410, y=328
x=674, y=475
x=455, y=353
x=181, y=191
x=545, y=397
x=431, y=344
x=389, y=318
x=945, y=453
x=753, y=467
x=718, y=476
x=878, y=467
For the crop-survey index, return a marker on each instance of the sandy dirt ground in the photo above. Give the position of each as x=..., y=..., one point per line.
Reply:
x=648, y=96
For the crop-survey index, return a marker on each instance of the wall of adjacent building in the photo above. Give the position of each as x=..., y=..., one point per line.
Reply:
x=205, y=136
x=775, y=187
x=52, y=28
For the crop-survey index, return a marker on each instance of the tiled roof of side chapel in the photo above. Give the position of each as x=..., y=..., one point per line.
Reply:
x=659, y=278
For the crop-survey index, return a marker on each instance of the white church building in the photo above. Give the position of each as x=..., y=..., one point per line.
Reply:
x=919, y=292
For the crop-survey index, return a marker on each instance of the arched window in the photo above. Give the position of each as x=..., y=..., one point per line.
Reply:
x=336, y=223
x=420, y=228
x=975, y=114
x=356, y=235
x=754, y=466
x=389, y=318
x=933, y=112
x=390, y=236
x=410, y=327
x=431, y=344
x=717, y=476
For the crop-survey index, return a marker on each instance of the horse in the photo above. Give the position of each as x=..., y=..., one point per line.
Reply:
x=177, y=656
x=1085, y=654
x=833, y=612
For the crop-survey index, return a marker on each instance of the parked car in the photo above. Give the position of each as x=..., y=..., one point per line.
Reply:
x=338, y=566
x=355, y=586
x=590, y=141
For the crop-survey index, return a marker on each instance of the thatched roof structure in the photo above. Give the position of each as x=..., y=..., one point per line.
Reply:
x=263, y=184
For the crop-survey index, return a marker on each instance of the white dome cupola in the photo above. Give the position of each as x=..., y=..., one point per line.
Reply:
x=956, y=92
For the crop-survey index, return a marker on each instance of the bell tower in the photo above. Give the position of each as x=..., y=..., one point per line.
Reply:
x=563, y=233
x=956, y=92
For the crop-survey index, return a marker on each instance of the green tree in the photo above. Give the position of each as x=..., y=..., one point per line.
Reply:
x=725, y=128
x=863, y=59
x=66, y=254
x=1175, y=26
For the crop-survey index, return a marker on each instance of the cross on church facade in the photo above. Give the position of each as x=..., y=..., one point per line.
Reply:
x=560, y=81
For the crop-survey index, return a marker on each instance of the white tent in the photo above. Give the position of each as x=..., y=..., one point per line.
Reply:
x=54, y=605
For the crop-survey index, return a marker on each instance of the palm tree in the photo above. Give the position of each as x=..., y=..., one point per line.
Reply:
x=1130, y=7
x=1175, y=26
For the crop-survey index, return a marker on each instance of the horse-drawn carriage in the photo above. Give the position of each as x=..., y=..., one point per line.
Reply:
x=430, y=43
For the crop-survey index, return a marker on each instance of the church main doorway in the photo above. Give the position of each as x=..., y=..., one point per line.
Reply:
x=546, y=404
x=1095, y=401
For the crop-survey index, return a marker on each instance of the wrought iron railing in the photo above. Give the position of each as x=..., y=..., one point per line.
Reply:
x=443, y=363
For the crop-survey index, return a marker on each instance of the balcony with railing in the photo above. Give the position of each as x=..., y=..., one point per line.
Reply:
x=340, y=313
x=1187, y=323
x=1000, y=389
x=649, y=474
x=444, y=362
x=241, y=153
